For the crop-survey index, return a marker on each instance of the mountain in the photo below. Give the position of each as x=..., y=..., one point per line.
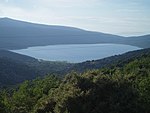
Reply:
x=140, y=40
x=15, y=34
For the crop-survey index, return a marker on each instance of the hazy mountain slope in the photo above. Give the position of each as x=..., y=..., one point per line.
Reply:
x=16, y=34
x=141, y=41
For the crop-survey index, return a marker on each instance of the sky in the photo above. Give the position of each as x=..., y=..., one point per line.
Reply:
x=120, y=17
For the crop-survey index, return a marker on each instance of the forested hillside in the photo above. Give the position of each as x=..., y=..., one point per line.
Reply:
x=121, y=89
x=15, y=68
x=12, y=72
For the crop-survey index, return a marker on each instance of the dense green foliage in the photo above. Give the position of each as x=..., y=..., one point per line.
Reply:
x=15, y=68
x=123, y=89
x=22, y=99
x=12, y=72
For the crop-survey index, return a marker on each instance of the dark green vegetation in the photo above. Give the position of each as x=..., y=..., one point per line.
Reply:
x=118, y=84
x=16, y=34
x=12, y=72
x=124, y=88
x=15, y=68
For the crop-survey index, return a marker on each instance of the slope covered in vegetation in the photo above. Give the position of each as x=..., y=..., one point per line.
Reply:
x=15, y=68
x=123, y=89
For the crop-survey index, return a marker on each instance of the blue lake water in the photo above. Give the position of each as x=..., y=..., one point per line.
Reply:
x=75, y=52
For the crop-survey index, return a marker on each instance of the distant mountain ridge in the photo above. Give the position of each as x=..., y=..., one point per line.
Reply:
x=15, y=34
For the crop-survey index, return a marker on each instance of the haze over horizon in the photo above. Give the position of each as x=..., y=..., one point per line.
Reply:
x=126, y=18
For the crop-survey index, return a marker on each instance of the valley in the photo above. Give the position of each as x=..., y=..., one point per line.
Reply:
x=116, y=83
x=60, y=69
x=16, y=68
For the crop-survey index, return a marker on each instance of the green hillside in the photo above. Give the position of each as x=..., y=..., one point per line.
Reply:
x=12, y=72
x=15, y=68
x=121, y=89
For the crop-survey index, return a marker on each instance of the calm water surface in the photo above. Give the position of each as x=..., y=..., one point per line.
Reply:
x=75, y=52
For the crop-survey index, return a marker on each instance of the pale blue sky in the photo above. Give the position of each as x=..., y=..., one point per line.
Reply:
x=121, y=17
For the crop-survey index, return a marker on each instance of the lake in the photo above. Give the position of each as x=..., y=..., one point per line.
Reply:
x=75, y=52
